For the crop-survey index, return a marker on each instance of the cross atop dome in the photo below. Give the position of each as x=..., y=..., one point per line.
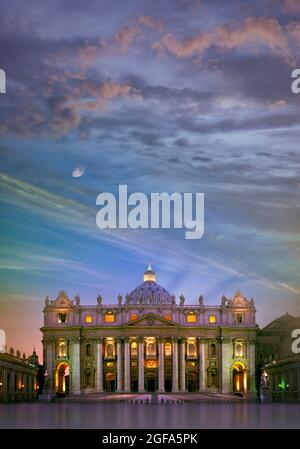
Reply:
x=149, y=275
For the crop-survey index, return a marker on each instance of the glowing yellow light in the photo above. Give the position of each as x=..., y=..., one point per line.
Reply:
x=88, y=319
x=109, y=318
x=191, y=318
x=168, y=317
x=212, y=319
x=133, y=316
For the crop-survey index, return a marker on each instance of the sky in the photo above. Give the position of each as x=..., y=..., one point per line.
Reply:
x=173, y=96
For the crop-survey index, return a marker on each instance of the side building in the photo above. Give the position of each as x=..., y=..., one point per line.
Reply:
x=278, y=363
x=18, y=377
x=150, y=342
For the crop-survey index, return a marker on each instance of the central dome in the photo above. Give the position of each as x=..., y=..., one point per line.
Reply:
x=149, y=292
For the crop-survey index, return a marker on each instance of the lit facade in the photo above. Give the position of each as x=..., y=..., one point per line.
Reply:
x=149, y=342
x=18, y=377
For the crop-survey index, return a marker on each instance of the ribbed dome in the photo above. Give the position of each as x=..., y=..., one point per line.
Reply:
x=149, y=292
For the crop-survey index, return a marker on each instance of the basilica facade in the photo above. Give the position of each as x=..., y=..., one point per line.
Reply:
x=148, y=342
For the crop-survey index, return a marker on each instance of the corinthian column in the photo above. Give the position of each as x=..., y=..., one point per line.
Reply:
x=202, y=370
x=182, y=365
x=127, y=388
x=141, y=366
x=175, y=365
x=99, y=353
x=119, y=365
x=75, y=358
x=161, y=367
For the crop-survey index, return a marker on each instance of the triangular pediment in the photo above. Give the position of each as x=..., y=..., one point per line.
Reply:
x=239, y=300
x=151, y=319
x=63, y=300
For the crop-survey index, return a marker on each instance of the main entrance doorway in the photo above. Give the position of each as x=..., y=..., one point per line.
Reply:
x=192, y=381
x=110, y=381
x=62, y=379
x=151, y=381
x=239, y=378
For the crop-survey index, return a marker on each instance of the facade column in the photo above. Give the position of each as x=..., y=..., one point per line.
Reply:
x=75, y=359
x=119, y=366
x=99, y=361
x=202, y=364
x=175, y=365
x=182, y=365
x=226, y=361
x=50, y=356
x=161, y=366
x=127, y=388
x=251, y=371
x=141, y=366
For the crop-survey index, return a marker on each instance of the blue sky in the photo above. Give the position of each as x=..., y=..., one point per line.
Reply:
x=186, y=96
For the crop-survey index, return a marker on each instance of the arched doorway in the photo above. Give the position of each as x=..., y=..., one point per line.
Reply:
x=110, y=381
x=151, y=381
x=239, y=378
x=62, y=379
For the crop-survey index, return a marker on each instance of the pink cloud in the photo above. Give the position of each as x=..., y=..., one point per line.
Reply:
x=126, y=36
x=290, y=6
x=252, y=31
x=151, y=22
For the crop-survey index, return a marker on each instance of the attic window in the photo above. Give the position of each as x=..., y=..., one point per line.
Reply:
x=109, y=317
x=238, y=317
x=62, y=318
x=191, y=317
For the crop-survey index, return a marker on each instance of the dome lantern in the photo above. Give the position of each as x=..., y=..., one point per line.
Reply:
x=149, y=275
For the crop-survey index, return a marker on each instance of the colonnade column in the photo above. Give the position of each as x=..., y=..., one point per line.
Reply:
x=161, y=367
x=182, y=365
x=119, y=365
x=127, y=388
x=252, y=379
x=99, y=352
x=174, y=365
x=202, y=363
x=141, y=366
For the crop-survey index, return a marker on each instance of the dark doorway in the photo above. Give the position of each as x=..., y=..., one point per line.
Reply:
x=192, y=381
x=168, y=384
x=151, y=381
x=110, y=381
x=134, y=385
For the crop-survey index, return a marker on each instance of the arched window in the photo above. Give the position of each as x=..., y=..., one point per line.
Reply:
x=239, y=349
x=191, y=349
x=88, y=349
x=62, y=350
x=110, y=350
x=134, y=349
x=213, y=350
x=151, y=349
x=168, y=349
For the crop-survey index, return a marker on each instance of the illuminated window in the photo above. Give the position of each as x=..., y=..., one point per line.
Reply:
x=151, y=349
x=191, y=349
x=168, y=317
x=88, y=319
x=110, y=349
x=133, y=316
x=62, y=318
x=88, y=349
x=168, y=349
x=238, y=317
x=109, y=317
x=62, y=350
x=191, y=317
x=239, y=349
x=134, y=349
x=212, y=319
x=213, y=350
